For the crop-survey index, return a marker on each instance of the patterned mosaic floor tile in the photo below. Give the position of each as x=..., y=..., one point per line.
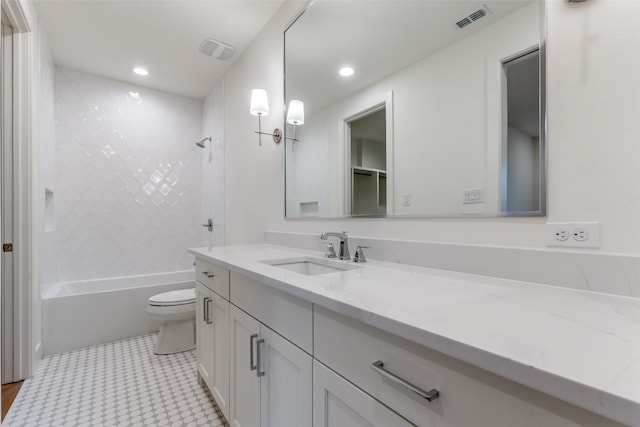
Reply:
x=117, y=384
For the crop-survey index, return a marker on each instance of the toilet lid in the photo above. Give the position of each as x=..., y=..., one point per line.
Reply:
x=183, y=296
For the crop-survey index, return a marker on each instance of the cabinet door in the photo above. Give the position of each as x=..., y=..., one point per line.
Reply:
x=337, y=403
x=220, y=315
x=286, y=388
x=204, y=334
x=244, y=383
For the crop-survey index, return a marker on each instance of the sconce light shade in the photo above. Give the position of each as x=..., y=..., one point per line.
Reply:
x=295, y=112
x=259, y=103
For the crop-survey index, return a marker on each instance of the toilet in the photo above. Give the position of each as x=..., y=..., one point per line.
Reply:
x=177, y=312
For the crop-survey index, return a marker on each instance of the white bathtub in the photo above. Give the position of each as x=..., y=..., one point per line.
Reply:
x=81, y=314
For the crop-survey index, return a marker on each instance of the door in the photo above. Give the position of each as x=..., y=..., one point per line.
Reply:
x=244, y=331
x=204, y=335
x=220, y=314
x=338, y=403
x=285, y=398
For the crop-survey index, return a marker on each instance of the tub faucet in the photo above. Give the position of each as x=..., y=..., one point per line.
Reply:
x=343, y=252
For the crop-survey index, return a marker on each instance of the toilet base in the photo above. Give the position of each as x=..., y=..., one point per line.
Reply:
x=176, y=336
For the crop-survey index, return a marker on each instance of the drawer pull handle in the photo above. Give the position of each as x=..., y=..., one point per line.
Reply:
x=260, y=372
x=209, y=275
x=209, y=320
x=204, y=309
x=429, y=395
x=252, y=366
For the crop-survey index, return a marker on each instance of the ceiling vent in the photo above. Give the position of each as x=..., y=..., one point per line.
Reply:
x=216, y=49
x=473, y=17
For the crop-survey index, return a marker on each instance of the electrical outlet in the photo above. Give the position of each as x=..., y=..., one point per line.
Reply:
x=580, y=235
x=573, y=234
x=472, y=195
x=561, y=235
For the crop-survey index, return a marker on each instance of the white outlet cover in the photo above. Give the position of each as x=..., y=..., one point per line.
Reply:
x=592, y=230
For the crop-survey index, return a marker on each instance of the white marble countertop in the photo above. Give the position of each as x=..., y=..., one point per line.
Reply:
x=581, y=347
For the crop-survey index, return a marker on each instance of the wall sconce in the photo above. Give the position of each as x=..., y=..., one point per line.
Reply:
x=295, y=116
x=260, y=107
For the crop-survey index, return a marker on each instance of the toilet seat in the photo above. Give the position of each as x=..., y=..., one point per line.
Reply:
x=173, y=298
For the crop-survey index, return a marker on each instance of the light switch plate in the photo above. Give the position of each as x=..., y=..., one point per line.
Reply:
x=472, y=195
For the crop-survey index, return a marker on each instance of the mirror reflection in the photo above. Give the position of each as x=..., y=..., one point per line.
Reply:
x=415, y=108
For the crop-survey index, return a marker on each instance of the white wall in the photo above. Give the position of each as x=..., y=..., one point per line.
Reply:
x=254, y=178
x=593, y=104
x=307, y=167
x=46, y=162
x=47, y=148
x=128, y=178
x=213, y=166
x=522, y=171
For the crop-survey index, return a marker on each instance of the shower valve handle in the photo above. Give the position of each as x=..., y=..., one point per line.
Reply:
x=209, y=224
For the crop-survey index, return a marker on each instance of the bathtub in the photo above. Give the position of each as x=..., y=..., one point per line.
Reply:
x=81, y=314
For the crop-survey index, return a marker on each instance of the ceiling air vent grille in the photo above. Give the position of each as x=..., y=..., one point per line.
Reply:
x=477, y=14
x=463, y=22
x=473, y=17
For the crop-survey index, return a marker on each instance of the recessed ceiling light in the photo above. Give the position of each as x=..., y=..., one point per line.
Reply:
x=140, y=71
x=346, y=71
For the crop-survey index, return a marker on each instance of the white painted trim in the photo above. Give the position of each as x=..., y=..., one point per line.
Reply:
x=16, y=15
x=3, y=159
x=25, y=242
x=495, y=143
x=358, y=111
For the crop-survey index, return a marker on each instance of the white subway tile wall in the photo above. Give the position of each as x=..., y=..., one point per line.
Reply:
x=128, y=196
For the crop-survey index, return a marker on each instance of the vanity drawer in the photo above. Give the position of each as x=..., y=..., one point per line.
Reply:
x=286, y=314
x=213, y=277
x=468, y=396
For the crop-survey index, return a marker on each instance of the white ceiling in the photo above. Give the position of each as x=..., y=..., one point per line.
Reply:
x=108, y=38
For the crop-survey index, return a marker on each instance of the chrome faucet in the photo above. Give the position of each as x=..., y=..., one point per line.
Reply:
x=343, y=252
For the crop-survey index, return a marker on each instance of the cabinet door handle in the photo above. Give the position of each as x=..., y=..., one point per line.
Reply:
x=204, y=309
x=209, y=321
x=260, y=372
x=209, y=275
x=252, y=366
x=429, y=395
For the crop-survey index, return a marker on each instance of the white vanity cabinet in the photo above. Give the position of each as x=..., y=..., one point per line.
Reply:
x=468, y=396
x=212, y=330
x=270, y=377
x=338, y=403
x=334, y=353
x=204, y=334
x=271, y=363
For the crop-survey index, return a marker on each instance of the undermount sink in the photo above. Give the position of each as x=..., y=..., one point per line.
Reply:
x=310, y=266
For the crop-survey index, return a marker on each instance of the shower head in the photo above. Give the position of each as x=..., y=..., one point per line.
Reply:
x=201, y=142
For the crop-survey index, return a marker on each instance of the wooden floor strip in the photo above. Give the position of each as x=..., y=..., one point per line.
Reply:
x=9, y=393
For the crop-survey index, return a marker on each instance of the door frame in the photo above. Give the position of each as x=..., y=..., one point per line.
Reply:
x=26, y=297
x=8, y=211
x=496, y=131
x=354, y=112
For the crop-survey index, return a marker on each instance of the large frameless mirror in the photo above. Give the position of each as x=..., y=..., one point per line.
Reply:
x=415, y=108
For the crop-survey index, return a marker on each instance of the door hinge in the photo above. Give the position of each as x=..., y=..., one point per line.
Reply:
x=7, y=247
